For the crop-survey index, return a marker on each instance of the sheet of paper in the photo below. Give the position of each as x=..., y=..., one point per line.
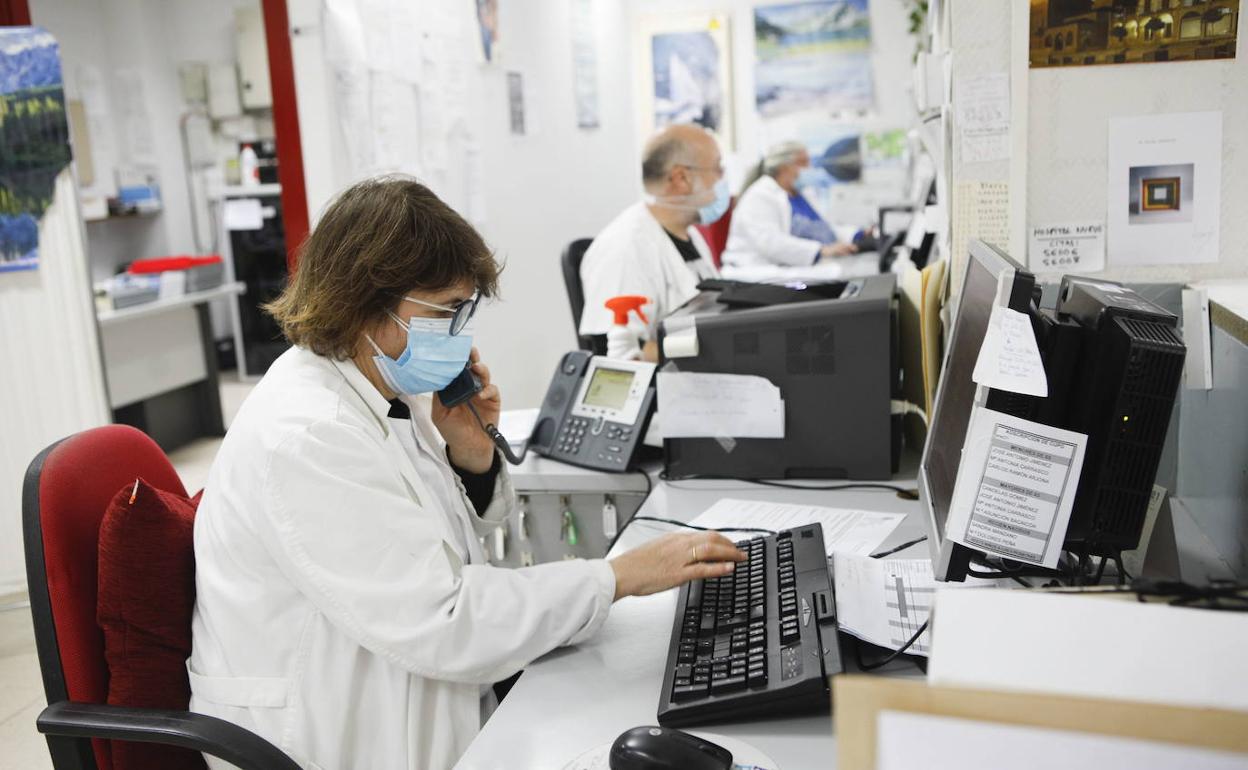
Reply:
x=840, y=269
x=706, y=405
x=1008, y=356
x=1165, y=188
x=980, y=210
x=1015, y=487
x=1069, y=247
x=243, y=214
x=884, y=601
x=906, y=740
x=844, y=531
x=584, y=64
x=983, y=117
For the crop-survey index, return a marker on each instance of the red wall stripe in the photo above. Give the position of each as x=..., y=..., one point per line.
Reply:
x=286, y=126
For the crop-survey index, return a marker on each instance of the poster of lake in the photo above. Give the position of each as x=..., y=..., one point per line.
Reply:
x=34, y=140
x=813, y=55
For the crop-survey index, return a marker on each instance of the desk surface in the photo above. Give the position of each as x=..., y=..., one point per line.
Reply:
x=577, y=698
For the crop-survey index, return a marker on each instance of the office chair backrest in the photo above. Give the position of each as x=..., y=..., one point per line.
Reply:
x=65, y=494
x=570, y=261
x=716, y=233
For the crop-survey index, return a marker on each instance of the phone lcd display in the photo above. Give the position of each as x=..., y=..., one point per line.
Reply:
x=609, y=388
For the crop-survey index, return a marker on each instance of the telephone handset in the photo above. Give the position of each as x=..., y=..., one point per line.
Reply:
x=596, y=412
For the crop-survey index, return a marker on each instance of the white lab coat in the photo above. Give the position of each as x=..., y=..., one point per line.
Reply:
x=635, y=255
x=342, y=614
x=760, y=230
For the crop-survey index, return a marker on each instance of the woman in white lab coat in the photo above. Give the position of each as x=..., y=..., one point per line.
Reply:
x=345, y=610
x=773, y=224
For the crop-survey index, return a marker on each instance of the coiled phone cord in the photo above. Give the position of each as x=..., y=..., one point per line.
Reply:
x=499, y=439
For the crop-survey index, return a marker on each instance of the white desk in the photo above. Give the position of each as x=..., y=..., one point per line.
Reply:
x=577, y=698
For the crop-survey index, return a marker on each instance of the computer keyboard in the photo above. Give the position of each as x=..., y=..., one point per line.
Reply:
x=757, y=642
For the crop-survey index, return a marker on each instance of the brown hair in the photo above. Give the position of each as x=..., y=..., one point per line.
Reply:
x=378, y=240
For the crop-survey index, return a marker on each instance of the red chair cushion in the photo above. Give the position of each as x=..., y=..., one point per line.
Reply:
x=76, y=481
x=146, y=596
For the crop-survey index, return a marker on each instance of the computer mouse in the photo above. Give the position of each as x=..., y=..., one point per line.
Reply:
x=661, y=748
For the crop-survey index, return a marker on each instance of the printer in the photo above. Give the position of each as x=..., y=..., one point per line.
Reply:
x=835, y=361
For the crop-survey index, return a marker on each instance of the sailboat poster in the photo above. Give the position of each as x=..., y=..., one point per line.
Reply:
x=687, y=73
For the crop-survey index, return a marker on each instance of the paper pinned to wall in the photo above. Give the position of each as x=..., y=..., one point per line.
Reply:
x=980, y=210
x=1009, y=358
x=983, y=111
x=584, y=64
x=1071, y=247
x=707, y=405
x=1015, y=487
x=844, y=530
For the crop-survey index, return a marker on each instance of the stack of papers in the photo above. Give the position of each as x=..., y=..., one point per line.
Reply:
x=884, y=601
x=844, y=531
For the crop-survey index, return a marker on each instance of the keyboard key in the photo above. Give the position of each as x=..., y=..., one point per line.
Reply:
x=688, y=692
x=758, y=612
x=729, y=684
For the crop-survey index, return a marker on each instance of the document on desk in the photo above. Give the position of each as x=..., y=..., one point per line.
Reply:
x=884, y=601
x=844, y=531
x=707, y=405
x=1015, y=487
x=906, y=740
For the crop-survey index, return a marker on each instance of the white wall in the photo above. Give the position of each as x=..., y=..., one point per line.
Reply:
x=560, y=183
x=51, y=383
x=151, y=37
x=1059, y=166
x=541, y=190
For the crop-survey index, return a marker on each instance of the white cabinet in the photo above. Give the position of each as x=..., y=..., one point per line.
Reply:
x=253, y=59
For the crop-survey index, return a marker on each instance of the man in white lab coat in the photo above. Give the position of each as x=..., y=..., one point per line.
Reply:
x=652, y=249
x=344, y=608
x=774, y=224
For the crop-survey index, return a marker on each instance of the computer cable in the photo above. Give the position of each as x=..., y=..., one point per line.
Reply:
x=900, y=407
x=891, y=656
x=905, y=493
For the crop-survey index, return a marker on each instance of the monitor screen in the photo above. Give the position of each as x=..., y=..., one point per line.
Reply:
x=608, y=388
x=955, y=396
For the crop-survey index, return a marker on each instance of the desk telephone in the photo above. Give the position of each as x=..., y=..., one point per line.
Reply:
x=596, y=412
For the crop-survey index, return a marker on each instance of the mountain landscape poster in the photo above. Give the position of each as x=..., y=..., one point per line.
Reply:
x=34, y=140
x=812, y=55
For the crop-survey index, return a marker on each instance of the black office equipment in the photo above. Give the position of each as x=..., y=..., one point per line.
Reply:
x=835, y=365
x=1113, y=362
x=757, y=642
x=660, y=748
x=463, y=387
x=596, y=412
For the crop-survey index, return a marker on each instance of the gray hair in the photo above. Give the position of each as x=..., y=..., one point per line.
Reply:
x=780, y=155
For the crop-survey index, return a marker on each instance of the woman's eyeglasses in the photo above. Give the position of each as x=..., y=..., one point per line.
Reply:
x=461, y=313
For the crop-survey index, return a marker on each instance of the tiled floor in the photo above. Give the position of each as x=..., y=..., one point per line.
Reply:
x=21, y=690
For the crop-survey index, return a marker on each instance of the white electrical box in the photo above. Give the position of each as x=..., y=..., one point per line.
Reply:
x=223, y=101
x=253, y=59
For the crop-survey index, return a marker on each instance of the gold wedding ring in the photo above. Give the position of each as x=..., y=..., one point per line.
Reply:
x=695, y=553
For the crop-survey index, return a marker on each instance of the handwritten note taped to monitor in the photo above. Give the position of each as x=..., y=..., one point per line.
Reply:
x=1015, y=487
x=706, y=405
x=1009, y=358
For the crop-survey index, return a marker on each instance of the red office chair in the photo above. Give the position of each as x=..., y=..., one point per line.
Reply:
x=716, y=233
x=64, y=497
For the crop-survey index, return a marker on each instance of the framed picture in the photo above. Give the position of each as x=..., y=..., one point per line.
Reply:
x=1160, y=194
x=684, y=73
x=812, y=55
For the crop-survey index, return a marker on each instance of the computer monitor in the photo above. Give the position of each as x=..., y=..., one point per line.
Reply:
x=991, y=278
x=1113, y=362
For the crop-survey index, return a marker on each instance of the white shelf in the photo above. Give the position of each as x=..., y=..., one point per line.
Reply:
x=107, y=317
x=240, y=191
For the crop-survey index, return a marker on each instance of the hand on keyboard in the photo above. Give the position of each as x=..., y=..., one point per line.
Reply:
x=673, y=560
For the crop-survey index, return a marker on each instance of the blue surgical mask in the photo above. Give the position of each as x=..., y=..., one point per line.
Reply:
x=809, y=177
x=716, y=208
x=433, y=357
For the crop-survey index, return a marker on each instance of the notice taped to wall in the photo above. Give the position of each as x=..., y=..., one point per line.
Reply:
x=1015, y=488
x=1069, y=247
